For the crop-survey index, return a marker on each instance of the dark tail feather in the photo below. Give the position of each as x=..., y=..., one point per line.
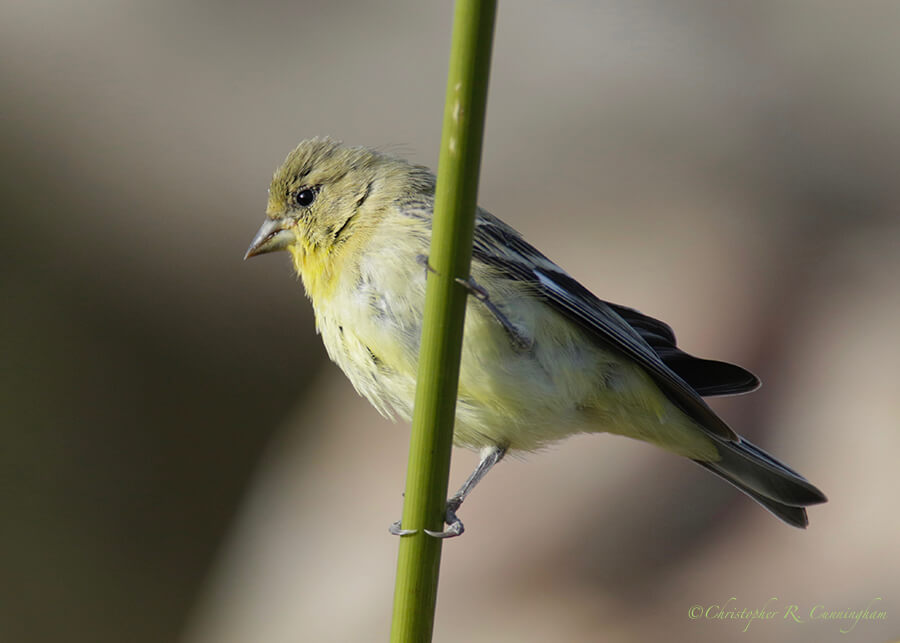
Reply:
x=707, y=376
x=771, y=483
x=795, y=516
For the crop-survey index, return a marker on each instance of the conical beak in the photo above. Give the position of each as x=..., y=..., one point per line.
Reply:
x=271, y=236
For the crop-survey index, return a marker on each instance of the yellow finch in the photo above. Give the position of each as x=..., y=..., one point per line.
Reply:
x=542, y=357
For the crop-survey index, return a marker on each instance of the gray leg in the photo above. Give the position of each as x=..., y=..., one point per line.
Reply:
x=423, y=259
x=477, y=290
x=489, y=457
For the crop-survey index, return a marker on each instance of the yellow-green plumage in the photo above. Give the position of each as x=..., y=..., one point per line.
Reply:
x=367, y=287
x=542, y=360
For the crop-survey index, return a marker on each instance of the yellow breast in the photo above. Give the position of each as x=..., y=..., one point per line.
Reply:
x=317, y=269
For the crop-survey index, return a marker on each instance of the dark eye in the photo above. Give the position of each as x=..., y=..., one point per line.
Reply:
x=305, y=197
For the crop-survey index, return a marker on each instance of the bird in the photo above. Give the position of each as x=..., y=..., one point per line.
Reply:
x=542, y=358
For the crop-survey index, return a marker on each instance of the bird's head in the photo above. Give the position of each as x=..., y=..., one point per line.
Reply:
x=326, y=193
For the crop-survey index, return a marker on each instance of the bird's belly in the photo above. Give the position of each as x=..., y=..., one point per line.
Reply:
x=373, y=334
x=519, y=397
x=561, y=383
x=523, y=397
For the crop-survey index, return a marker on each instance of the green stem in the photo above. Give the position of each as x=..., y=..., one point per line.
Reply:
x=428, y=471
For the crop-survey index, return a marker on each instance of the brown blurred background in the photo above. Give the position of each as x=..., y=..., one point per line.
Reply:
x=179, y=461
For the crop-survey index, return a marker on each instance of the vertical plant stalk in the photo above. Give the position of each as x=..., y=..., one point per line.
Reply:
x=428, y=472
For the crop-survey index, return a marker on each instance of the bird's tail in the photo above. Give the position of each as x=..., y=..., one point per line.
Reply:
x=771, y=483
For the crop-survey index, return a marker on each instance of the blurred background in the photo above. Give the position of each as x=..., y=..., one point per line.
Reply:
x=179, y=460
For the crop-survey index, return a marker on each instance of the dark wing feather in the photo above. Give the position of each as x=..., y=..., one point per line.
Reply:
x=524, y=262
x=706, y=376
x=651, y=344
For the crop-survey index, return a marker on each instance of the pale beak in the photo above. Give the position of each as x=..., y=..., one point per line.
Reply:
x=272, y=235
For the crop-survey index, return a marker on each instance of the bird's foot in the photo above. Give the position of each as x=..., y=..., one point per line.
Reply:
x=454, y=524
x=397, y=530
x=519, y=341
x=454, y=528
x=423, y=260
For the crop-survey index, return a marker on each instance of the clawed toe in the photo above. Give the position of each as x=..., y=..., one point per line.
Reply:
x=489, y=457
x=397, y=530
x=455, y=529
x=454, y=524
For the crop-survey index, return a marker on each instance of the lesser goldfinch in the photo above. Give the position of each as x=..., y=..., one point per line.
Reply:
x=542, y=357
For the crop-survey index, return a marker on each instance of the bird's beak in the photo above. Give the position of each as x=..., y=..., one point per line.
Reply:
x=273, y=235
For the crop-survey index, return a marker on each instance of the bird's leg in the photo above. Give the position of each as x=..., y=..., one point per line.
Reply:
x=489, y=457
x=423, y=259
x=477, y=290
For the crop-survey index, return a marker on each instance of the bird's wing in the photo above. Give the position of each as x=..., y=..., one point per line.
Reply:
x=498, y=245
x=706, y=376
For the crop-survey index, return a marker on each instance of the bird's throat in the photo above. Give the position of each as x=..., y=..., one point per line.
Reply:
x=315, y=266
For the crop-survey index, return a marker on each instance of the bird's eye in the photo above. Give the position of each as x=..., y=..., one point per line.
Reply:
x=305, y=197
